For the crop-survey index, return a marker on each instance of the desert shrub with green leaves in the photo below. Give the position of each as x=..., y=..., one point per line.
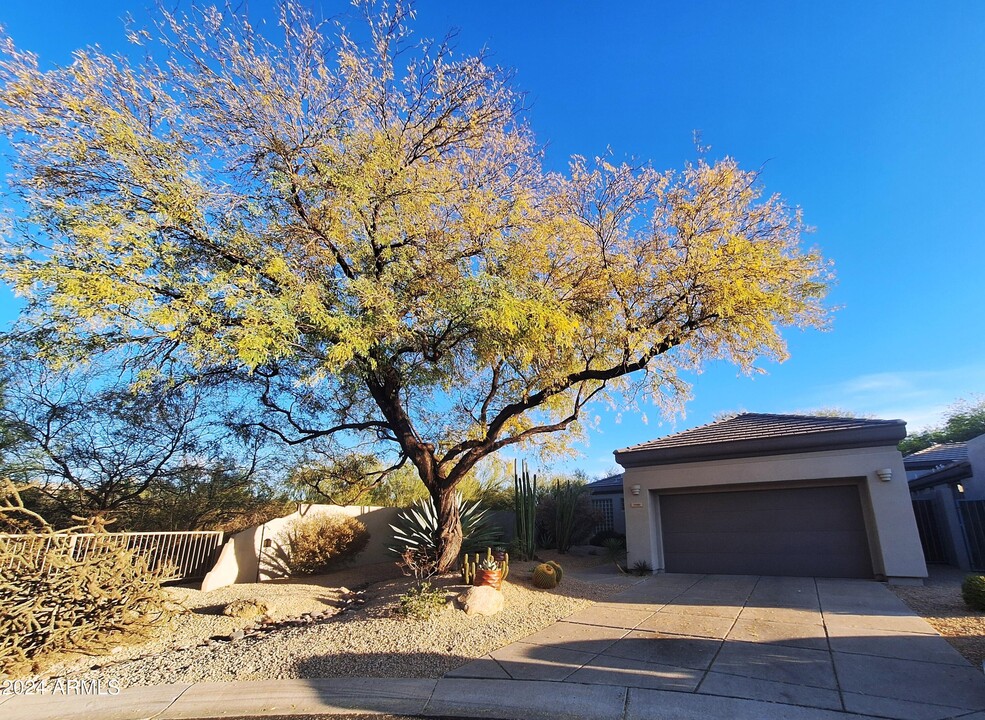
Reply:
x=56, y=602
x=422, y=602
x=973, y=591
x=324, y=542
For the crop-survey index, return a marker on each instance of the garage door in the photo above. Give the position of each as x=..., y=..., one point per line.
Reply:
x=817, y=531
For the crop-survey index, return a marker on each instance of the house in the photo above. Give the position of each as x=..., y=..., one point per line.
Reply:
x=607, y=499
x=774, y=495
x=947, y=484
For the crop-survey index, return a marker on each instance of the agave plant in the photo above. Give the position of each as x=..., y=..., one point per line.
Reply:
x=417, y=526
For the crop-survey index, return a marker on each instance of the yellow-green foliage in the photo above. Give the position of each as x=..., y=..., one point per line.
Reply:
x=324, y=542
x=545, y=576
x=53, y=603
x=381, y=232
x=557, y=569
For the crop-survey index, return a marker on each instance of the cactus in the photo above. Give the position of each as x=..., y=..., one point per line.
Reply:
x=566, y=498
x=470, y=565
x=525, y=507
x=545, y=576
x=468, y=569
x=557, y=570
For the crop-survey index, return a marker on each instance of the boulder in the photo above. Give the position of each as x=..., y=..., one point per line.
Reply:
x=481, y=600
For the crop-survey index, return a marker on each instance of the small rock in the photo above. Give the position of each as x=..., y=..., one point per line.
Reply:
x=237, y=635
x=344, y=591
x=481, y=600
x=246, y=608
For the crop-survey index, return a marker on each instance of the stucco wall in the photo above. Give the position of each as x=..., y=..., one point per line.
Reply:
x=892, y=530
x=241, y=560
x=974, y=487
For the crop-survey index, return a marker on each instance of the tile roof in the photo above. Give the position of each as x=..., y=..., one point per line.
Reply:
x=939, y=454
x=606, y=483
x=751, y=434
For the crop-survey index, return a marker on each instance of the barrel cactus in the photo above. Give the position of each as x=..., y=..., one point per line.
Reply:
x=557, y=569
x=545, y=576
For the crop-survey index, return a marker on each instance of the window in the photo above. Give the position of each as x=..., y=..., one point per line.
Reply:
x=604, y=507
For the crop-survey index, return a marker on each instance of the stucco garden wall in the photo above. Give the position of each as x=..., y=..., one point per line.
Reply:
x=252, y=554
x=892, y=530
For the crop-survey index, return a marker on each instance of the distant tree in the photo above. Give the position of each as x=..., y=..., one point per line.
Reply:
x=91, y=448
x=365, y=236
x=222, y=494
x=965, y=420
x=364, y=481
x=12, y=439
x=835, y=412
x=351, y=479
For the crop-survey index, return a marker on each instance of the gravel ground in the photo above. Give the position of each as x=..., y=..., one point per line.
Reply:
x=367, y=640
x=370, y=641
x=939, y=602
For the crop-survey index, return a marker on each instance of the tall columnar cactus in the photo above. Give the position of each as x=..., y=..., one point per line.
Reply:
x=566, y=498
x=544, y=577
x=525, y=507
x=468, y=569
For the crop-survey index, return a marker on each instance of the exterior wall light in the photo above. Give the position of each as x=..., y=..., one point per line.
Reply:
x=886, y=474
x=635, y=489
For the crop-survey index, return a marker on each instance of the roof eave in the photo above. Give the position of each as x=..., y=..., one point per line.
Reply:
x=878, y=436
x=949, y=475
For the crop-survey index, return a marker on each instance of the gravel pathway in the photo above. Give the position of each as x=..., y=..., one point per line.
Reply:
x=367, y=640
x=939, y=602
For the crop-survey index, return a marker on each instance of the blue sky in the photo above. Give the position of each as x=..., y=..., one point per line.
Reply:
x=867, y=115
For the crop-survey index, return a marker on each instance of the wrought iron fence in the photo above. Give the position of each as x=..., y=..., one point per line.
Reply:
x=972, y=514
x=189, y=555
x=931, y=533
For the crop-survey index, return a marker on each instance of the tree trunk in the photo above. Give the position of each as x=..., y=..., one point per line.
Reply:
x=449, y=527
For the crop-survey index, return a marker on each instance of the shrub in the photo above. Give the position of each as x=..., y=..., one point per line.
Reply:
x=599, y=538
x=422, y=602
x=417, y=527
x=54, y=602
x=324, y=542
x=642, y=568
x=973, y=591
x=246, y=608
x=615, y=550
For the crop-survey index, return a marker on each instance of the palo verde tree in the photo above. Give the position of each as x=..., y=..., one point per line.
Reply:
x=363, y=233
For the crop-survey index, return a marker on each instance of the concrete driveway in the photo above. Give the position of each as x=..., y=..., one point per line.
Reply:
x=838, y=645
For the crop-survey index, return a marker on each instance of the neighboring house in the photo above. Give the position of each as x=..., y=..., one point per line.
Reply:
x=607, y=498
x=774, y=495
x=947, y=483
x=936, y=457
